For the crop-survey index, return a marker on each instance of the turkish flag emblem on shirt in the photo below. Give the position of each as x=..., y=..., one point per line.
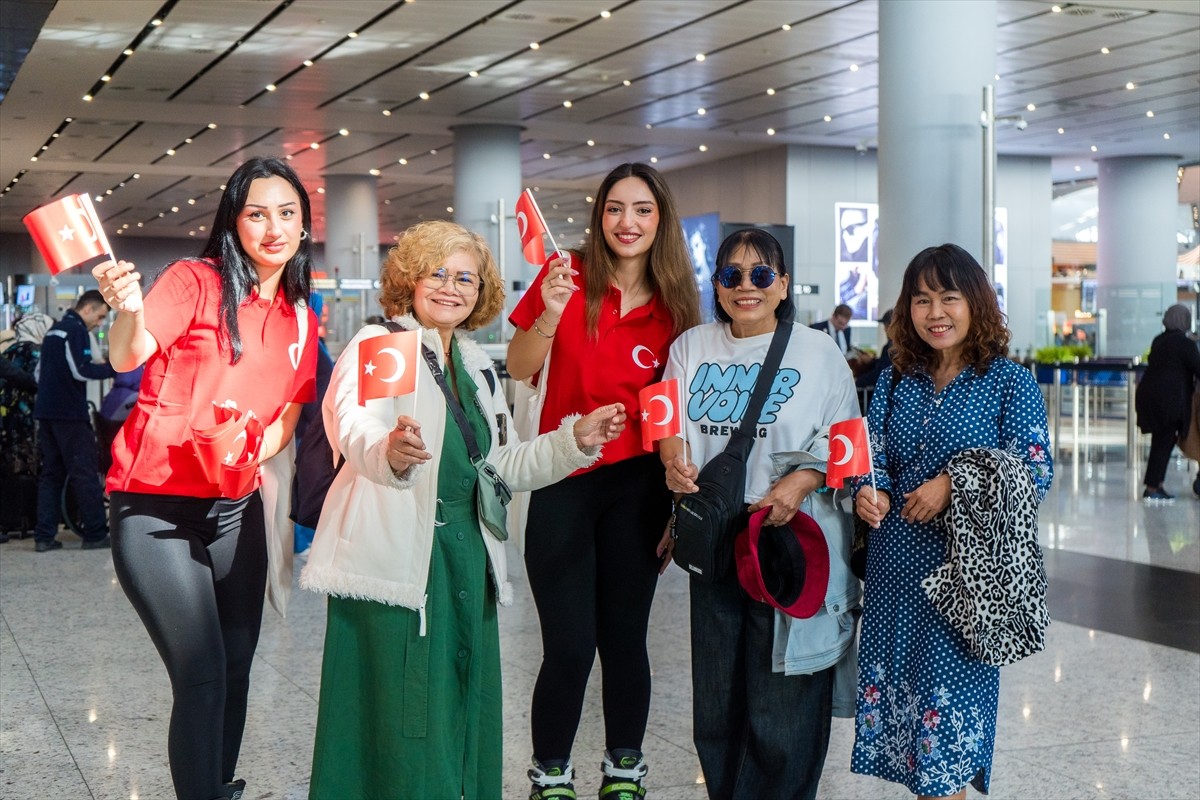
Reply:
x=849, y=451
x=387, y=365
x=659, y=404
x=531, y=228
x=67, y=232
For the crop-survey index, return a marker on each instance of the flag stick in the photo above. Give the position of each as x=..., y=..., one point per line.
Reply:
x=682, y=422
x=545, y=227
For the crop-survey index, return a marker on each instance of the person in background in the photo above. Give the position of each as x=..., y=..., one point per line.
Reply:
x=226, y=330
x=838, y=326
x=410, y=679
x=926, y=707
x=1164, y=395
x=66, y=439
x=607, y=315
x=762, y=681
x=310, y=422
x=882, y=362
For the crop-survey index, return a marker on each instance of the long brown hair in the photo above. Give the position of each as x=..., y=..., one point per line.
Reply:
x=669, y=273
x=948, y=268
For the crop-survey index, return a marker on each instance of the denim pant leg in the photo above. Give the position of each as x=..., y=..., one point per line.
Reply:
x=77, y=441
x=759, y=734
x=51, y=479
x=718, y=682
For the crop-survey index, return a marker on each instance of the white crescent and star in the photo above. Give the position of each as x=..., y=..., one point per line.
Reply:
x=846, y=443
x=668, y=409
x=522, y=224
x=400, y=364
x=67, y=233
x=638, y=361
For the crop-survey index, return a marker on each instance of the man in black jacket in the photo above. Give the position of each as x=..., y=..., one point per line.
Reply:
x=66, y=440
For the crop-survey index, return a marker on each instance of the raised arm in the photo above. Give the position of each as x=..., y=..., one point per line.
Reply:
x=528, y=348
x=129, y=343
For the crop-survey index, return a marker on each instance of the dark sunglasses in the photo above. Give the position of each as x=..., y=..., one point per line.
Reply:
x=761, y=276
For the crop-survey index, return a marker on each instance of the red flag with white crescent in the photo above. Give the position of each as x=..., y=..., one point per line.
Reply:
x=531, y=227
x=659, y=405
x=849, y=451
x=228, y=451
x=388, y=365
x=67, y=232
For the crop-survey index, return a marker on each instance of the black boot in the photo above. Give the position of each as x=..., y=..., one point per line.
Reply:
x=623, y=771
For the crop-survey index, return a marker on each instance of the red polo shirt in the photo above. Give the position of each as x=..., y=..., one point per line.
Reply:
x=626, y=355
x=152, y=452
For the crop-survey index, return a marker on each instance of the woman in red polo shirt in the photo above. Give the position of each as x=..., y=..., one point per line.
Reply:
x=225, y=330
x=591, y=539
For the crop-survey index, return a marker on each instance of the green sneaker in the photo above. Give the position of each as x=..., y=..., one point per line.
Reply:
x=623, y=771
x=553, y=780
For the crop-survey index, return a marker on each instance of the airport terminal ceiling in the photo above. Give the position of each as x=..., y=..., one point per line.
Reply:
x=181, y=91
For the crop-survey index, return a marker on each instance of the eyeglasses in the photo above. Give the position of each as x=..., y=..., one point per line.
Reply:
x=761, y=276
x=465, y=283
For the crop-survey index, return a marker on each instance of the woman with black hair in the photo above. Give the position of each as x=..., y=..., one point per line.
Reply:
x=227, y=330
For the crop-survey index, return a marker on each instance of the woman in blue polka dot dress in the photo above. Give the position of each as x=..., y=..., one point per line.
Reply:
x=926, y=714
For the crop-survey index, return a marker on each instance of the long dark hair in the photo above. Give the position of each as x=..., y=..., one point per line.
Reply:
x=225, y=254
x=669, y=271
x=767, y=248
x=948, y=268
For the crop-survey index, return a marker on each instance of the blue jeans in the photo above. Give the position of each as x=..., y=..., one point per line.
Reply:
x=68, y=450
x=759, y=734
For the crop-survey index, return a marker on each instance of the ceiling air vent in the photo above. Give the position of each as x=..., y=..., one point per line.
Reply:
x=1079, y=11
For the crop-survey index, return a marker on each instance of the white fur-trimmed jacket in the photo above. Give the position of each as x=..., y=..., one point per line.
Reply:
x=375, y=537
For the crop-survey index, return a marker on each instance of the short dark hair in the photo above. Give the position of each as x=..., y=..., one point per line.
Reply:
x=91, y=297
x=766, y=247
x=842, y=310
x=943, y=268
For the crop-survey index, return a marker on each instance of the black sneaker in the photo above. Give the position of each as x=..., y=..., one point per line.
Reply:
x=1157, y=495
x=624, y=771
x=552, y=780
x=45, y=547
x=97, y=544
x=233, y=791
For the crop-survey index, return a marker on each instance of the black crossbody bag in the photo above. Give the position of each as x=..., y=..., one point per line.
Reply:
x=492, y=494
x=706, y=522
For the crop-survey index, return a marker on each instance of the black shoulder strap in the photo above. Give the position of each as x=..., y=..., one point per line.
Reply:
x=452, y=403
x=743, y=438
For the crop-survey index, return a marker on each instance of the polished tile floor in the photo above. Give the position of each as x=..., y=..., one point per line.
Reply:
x=1111, y=709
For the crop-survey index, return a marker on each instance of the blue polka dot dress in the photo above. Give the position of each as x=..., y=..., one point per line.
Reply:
x=926, y=710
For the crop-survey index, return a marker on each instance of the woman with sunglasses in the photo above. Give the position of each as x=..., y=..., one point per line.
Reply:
x=762, y=681
x=410, y=681
x=591, y=539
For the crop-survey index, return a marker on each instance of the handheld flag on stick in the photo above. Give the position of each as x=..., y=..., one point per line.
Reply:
x=849, y=452
x=228, y=451
x=531, y=225
x=388, y=365
x=659, y=404
x=67, y=232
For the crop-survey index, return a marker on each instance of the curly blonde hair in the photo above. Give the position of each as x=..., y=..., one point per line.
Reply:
x=424, y=248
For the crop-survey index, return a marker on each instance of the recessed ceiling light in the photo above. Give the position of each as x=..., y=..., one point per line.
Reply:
x=105, y=78
x=423, y=95
x=171, y=151
x=785, y=27
x=449, y=209
x=343, y=132
x=315, y=146
x=352, y=35
x=590, y=199
x=212, y=126
x=534, y=45
x=653, y=159
x=567, y=104
x=703, y=148
x=1166, y=136
x=1094, y=148
x=1149, y=113
x=270, y=87
x=546, y=156
x=1062, y=130
x=699, y=56
x=1056, y=9
x=128, y=52
x=433, y=152
x=996, y=77
x=605, y=14
x=308, y=63
x=771, y=92
x=1031, y=107
x=320, y=190
x=770, y=131
x=591, y=142
x=473, y=74
x=701, y=111
x=402, y=161
x=1078, y=168
x=387, y=112
x=1131, y=85
x=374, y=172
x=854, y=67
x=648, y=126
x=627, y=83
x=1105, y=50
x=156, y=22
x=827, y=118
x=87, y=98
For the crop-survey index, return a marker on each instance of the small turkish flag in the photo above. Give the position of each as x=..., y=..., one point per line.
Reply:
x=659, y=403
x=388, y=365
x=531, y=226
x=228, y=451
x=67, y=232
x=849, y=451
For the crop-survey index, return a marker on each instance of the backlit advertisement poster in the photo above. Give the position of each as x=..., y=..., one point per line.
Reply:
x=700, y=233
x=857, y=270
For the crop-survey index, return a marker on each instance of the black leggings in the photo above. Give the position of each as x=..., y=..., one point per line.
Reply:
x=589, y=553
x=195, y=570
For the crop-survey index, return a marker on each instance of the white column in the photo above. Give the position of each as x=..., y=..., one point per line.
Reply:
x=934, y=59
x=1137, y=252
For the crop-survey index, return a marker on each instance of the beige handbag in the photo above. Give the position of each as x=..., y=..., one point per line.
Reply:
x=1189, y=442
